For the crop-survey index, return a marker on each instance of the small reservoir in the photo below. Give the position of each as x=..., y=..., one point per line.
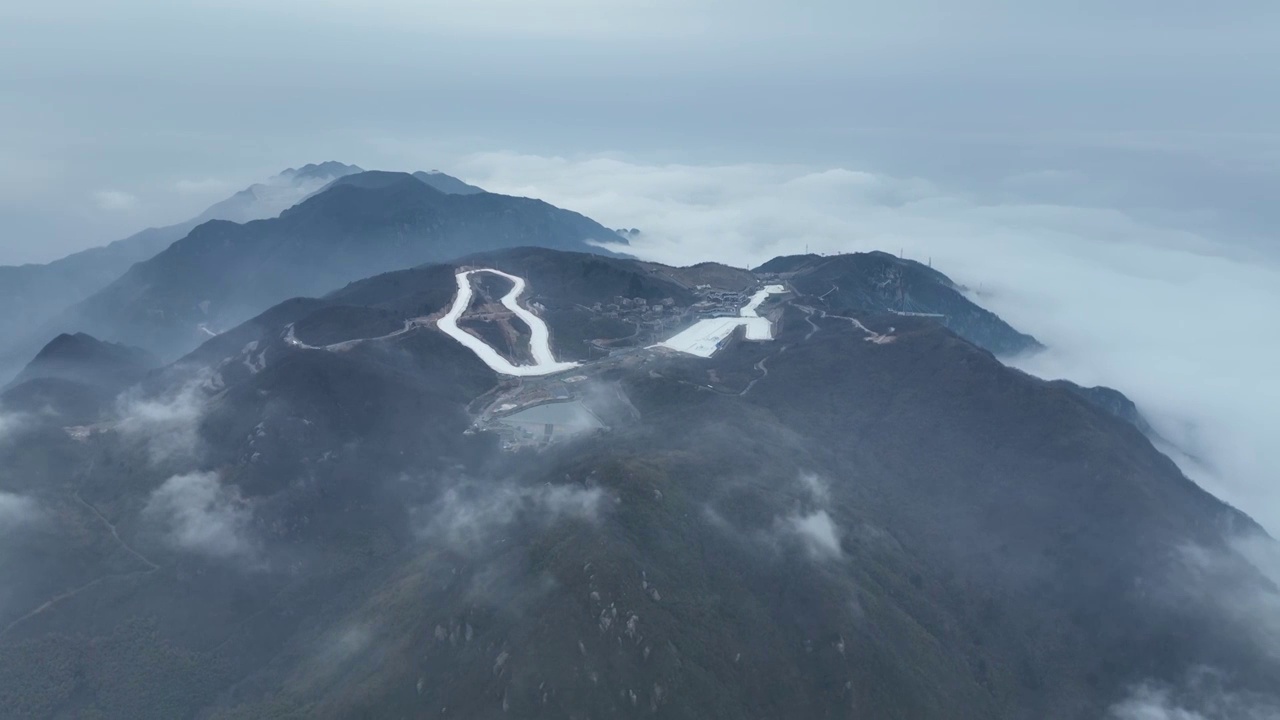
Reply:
x=546, y=423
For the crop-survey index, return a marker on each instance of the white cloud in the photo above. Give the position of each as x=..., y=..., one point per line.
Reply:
x=1178, y=321
x=1150, y=703
x=471, y=513
x=818, y=531
x=1264, y=554
x=17, y=511
x=811, y=523
x=114, y=200
x=9, y=424
x=817, y=488
x=168, y=424
x=203, y=187
x=199, y=514
x=1243, y=582
x=1200, y=697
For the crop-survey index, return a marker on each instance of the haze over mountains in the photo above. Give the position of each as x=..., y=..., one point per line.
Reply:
x=326, y=506
x=31, y=294
x=225, y=267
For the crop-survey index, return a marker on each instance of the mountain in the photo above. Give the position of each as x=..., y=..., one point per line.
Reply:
x=447, y=183
x=1114, y=402
x=337, y=509
x=74, y=379
x=223, y=273
x=82, y=357
x=320, y=172
x=269, y=199
x=878, y=281
x=33, y=295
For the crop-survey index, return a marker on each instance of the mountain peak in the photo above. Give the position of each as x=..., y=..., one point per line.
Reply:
x=435, y=180
x=447, y=183
x=82, y=357
x=373, y=179
x=880, y=282
x=370, y=194
x=69, y=343
x=324, y=171
x=359, y=225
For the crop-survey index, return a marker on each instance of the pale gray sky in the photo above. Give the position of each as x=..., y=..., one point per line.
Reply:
x=127, y=113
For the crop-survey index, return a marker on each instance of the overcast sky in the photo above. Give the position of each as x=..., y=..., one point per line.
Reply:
x=119, y=114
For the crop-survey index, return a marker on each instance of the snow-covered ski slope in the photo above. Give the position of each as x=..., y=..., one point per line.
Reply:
x=545, y=362
x=749, y=310
x=704, y=337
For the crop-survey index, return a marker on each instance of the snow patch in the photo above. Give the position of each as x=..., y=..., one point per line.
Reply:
x=749, y=310
x=255, y=364
x=705, y=337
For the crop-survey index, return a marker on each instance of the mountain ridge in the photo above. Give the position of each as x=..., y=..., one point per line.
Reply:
x=32, y=295
x=221, y=272
x=866, y=512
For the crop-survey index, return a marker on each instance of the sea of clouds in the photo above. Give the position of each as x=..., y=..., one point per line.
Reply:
x=1183, y=322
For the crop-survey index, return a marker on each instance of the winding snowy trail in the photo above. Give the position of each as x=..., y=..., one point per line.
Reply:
x=540, y=336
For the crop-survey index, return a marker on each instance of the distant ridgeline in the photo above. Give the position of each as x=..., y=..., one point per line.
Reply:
x=879, y=282
x=363, y=223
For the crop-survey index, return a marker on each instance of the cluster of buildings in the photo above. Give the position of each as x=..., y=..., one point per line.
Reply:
x=717, y=303
x=629, y=308
x=651, y=319
x=658, y=319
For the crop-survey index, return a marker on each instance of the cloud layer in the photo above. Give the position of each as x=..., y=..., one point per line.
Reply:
x=114, y=200
x=1242, y=582
x=9, y=424
x=17, y=511
x=818, y=531
x=1177, y=320
x=469, y=513
x=199, y=514
x=811, y=523
x=1200, y=697
x=168, y=425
